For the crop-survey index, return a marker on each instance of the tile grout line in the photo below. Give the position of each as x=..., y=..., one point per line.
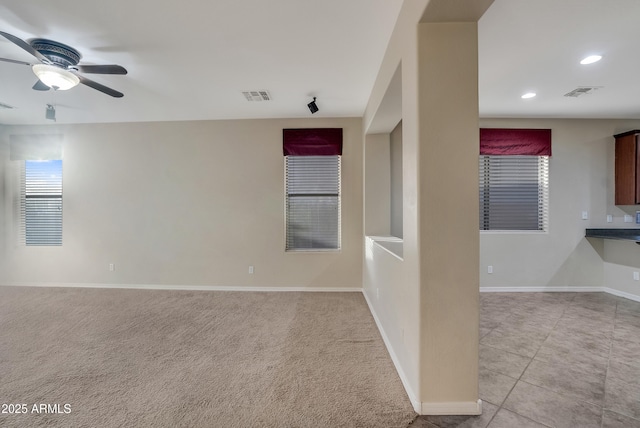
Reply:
x=525, y=369
x=606, y=373
x=615, y=321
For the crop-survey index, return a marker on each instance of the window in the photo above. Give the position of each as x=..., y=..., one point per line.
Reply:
x=313, y=202
x=514, y=192
x=312, y=175
x=41, y=202
x=514, y=178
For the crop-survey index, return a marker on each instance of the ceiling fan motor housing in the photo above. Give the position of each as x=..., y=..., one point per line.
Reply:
x=59, y=54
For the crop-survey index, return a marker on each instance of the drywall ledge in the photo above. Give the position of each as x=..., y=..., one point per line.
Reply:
x=390, y=244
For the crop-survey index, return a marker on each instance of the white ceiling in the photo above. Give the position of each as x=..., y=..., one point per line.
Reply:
x=192, y=60
x=537, y=45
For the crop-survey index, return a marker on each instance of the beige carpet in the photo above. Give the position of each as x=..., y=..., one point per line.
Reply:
x=140, y=358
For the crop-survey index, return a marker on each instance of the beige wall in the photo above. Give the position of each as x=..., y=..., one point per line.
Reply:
x=395, y=158
x=581, y=178
x=383, y=184
x=183, y=203
x=377, y=179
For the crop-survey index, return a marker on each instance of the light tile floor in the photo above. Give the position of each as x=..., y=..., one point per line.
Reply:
x=555, y=360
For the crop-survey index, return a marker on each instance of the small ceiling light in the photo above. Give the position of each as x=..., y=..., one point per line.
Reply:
x=55, y=77
x=50, y=113
x=313, y=107
x=528, y=95
x=591, y=59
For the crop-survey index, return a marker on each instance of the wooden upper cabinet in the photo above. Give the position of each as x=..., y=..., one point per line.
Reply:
x=627, y=168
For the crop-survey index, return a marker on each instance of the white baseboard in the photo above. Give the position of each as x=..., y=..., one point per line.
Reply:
x=621, y=294
x=417, y=405
x=313, y=289
x=453, y=408
x=541, y=289
x=560, y=290
x=184, y=287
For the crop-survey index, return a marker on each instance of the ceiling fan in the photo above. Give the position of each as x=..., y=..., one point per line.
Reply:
x=58, y=66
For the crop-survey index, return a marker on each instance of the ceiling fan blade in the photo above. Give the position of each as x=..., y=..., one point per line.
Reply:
x=26, y=46
x=15, y=61
x=99, y=87
x=39, y=86
x=101, y=69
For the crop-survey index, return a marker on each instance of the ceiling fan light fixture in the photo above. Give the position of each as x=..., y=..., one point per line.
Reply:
x=55, y=77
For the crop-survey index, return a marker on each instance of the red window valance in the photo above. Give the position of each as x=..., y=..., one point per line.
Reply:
x=312, y=142
x=503, y=141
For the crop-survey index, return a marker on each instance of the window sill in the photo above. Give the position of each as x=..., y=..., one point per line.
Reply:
x=313, y=251
x=514, y=232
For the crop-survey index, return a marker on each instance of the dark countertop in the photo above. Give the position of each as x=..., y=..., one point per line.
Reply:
x=623, y=234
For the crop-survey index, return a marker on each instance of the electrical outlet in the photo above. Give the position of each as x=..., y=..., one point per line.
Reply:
x=609, y=218
x=585, y=215
x=250, y=270
x=636, y=276
x=489, y=269
x=628, y=218
x=112, y=267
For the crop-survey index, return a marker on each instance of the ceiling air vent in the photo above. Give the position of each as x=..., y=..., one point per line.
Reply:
x=257, y=95
x=582, y=90
x=7, y=106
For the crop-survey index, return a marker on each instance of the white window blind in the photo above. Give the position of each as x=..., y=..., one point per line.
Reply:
x=514, y=192
x=313, y=202
x=41, y=203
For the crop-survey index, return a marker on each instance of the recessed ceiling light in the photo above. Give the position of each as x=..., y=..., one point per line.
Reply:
x=591, y=59
x=528, y=95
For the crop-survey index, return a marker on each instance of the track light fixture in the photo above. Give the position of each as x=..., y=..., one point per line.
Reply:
x=313, y=107
x=50, y=113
